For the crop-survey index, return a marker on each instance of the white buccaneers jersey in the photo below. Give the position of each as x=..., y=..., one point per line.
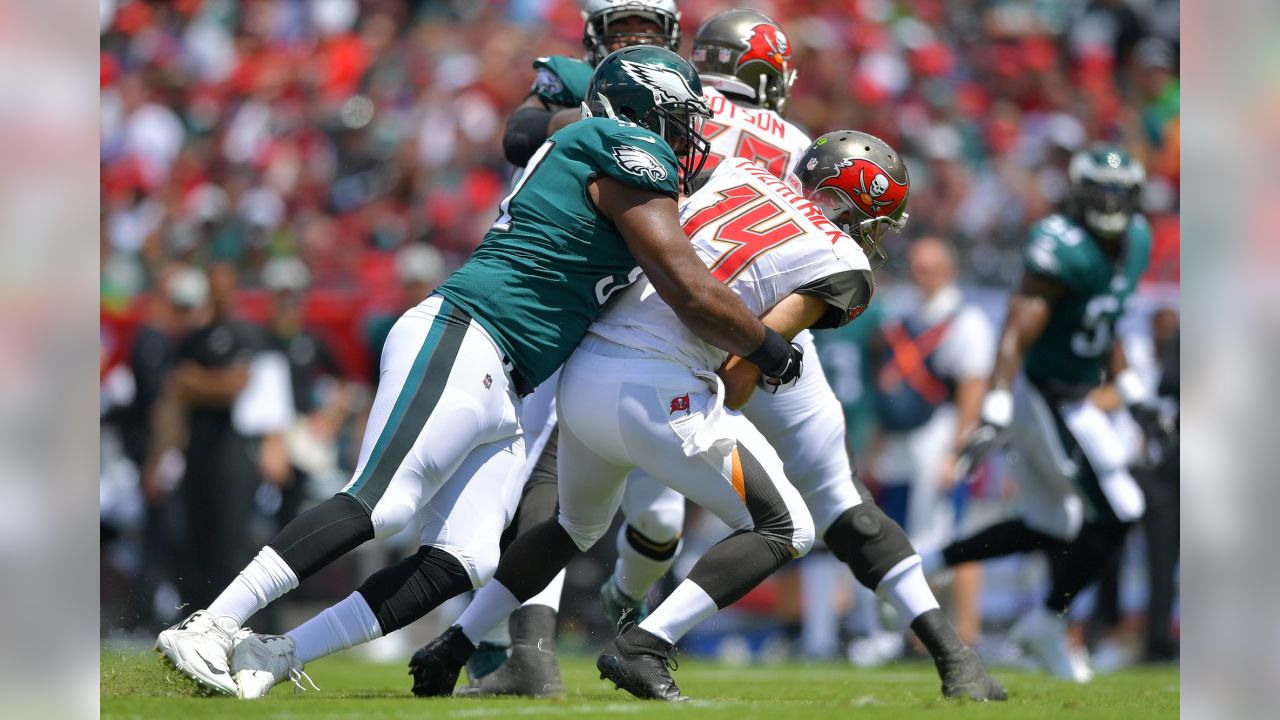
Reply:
x=761, y=136
x=765, y=242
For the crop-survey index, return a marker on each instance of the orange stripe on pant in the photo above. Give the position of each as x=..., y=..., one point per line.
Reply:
x=735, y=476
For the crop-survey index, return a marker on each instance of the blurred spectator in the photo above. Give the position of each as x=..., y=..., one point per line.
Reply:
x=931, y=365
x=419, y=269
x=225, y=405
x=320, y=397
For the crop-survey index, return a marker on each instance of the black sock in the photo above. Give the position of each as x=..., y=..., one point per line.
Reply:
x=534, y=558
x=736, y=564
x=936, y=632
x=323, y=534
x=1080, y=562
x=999, y=540
x=404, y=592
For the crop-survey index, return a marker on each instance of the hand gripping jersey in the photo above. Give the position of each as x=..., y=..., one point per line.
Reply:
x=561, y=80
x=761, y=136
x=1070, y=354
x=547, y=266
x=765, y=242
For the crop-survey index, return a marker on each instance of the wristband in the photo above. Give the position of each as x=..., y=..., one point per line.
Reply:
x=997, y=408
x=1131, y=387
x=771, y=356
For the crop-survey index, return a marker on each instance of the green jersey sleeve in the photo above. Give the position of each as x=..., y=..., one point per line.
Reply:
x=1056, y=248
x=625, y=152
x=561, y=80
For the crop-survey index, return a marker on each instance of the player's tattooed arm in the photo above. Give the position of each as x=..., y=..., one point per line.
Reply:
x=791, y=315
x=650, y=225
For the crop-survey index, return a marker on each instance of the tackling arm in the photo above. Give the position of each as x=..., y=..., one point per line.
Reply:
x=650, y=225
x=791, y=315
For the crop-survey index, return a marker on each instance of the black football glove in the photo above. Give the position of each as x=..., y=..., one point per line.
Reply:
x=780, y=362
x=997, y=412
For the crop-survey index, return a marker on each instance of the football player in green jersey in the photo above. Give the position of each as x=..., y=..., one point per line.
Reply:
x=444, y=441
x=561, y=82
x=1076, y=497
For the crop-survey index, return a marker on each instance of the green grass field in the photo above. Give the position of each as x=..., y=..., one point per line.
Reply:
x=136, y=685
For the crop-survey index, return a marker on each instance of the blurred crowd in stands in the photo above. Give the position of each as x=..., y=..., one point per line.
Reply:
x=302, y=171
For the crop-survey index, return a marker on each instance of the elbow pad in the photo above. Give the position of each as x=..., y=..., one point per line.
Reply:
x=525, y=133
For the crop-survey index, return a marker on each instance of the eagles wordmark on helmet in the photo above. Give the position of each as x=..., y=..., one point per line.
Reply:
x=638, y=162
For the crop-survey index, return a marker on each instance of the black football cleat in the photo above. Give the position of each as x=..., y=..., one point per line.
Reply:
x=532, y=670
x=436, y=665
x=641, y=663
x=963, y=676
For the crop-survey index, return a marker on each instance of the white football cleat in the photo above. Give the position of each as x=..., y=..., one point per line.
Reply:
x=1043, y=635
x=200, y=647
x=260, y=662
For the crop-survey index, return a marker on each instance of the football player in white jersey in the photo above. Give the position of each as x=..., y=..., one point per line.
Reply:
x=640, y=392
x=806, y=424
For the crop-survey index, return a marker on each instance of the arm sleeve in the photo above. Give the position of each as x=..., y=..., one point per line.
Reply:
x=525, y=133
x=847, y=294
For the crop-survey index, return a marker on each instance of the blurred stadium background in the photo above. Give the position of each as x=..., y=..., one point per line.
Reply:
x=311, y=168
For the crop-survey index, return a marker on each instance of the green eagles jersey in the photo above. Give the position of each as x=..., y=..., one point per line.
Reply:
x=1076, y=344
x=845, y=362
x=549, y=263
x=561, y=80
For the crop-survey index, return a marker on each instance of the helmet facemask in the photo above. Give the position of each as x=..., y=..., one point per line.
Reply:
x=866, y=231
x=597, y=37
x=679, y=123
x=1107, y=208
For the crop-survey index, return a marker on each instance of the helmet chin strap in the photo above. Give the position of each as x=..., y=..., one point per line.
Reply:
x=608, y=107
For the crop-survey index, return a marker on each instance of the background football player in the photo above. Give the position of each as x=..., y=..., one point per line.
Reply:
x=1076, y=497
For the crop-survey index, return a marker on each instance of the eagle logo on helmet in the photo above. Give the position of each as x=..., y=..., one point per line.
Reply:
x=666, y=84
x=765, y=43
x=868, y=186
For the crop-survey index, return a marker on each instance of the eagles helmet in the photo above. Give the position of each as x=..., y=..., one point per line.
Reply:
x=859, y=183
x=657, y=90
x=745, y=53
x=1105, y=183
x=598, y=14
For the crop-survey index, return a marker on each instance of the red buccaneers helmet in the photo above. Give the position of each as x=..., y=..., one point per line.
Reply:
x=745, y=53
x=860, y=183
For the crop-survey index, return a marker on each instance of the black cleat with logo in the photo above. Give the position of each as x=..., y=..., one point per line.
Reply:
x=641, y=663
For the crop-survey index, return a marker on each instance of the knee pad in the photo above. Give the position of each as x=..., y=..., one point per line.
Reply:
x=401, y=593
x=866, y=540
x=390, y=517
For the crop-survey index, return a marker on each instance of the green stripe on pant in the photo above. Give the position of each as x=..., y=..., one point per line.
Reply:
x=414, y=405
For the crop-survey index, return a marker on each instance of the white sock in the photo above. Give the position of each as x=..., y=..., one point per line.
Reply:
x=906, y=589
x=684, y=608
x=264, y=579
x=346, y=624
x=635, y=572
x=550, y=595
x=491, y=605
x=500, y=635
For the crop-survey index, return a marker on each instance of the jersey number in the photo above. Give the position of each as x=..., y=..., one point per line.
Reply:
x=1095, y=337
x=748, y=222
x=767, y=155
x=503, y=222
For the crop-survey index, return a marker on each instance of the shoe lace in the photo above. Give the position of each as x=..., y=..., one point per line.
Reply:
x=671, y=661
x=297, y=675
